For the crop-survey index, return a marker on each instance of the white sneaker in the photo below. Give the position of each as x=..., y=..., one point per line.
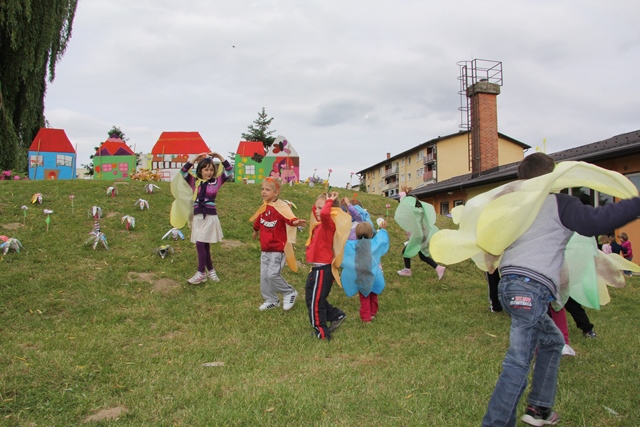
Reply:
x=269, y=305
x=213, y=276
x=568, y=351
x=198, y=278
x=288, y=300
x=440, y=271
x=405, y=272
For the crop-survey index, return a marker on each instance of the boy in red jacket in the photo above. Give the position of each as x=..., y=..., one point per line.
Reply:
x=320, y=255
x=275, y=224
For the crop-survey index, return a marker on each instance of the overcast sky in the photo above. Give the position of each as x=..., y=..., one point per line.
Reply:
x=345, y=81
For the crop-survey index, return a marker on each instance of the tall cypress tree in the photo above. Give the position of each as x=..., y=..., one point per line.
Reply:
x=33, y=37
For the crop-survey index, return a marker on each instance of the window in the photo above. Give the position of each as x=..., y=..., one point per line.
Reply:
x=420, y=155
x=401, y=177
x=408, y=176
x=35, y=161
x=64, y=160
x=408, y=161
x=458, y=203
x=123, y=167
x=250, y=170
x=373, y=175
x=107, y=167
x=402, y=163
x=420, y=172
x=444, y=208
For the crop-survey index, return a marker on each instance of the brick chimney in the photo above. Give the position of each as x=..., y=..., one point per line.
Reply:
x=484, y=125
x=388, y=155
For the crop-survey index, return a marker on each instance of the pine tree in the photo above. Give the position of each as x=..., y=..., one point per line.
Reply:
x=33, y=37
x=258, y=130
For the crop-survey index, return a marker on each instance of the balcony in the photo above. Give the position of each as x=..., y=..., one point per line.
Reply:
x=390, y=172
x=430, y=158
x=429, y=176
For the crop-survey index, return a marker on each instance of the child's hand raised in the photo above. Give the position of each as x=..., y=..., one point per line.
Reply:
x=382, y=223
x=200, y=157
x=333, y=195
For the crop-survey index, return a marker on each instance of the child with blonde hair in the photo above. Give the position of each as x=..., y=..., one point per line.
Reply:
x=275, y=224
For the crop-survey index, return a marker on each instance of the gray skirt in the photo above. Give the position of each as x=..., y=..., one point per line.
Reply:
x=206, y=230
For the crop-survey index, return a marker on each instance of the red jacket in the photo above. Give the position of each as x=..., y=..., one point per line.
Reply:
x=273, y=229
x=320, y=249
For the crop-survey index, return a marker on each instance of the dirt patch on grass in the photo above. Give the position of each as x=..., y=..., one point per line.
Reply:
x=159, y=285
x=12, y=226
x=107, y=414
x=231, y=244
x=112, y=214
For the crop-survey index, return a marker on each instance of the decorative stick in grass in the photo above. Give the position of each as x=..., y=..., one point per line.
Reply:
x=24, y=214
x=71, y=197
x=48, y=213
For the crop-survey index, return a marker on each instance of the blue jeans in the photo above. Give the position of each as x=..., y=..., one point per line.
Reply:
x=527, y=302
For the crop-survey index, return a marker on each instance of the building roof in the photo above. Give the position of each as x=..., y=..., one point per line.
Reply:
x=114, y=147
x=434, y=141
x=180, y=143
x=617, y=146
x=51, y=140
x=249, y=148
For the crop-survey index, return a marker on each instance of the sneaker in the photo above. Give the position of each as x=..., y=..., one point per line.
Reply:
x=537, y=416
x=440, y=271
x=213, y=276
x=405, y=272
x=590, y=334
x=336, y=323
x=269, y=305
x=198, y=278
x=568, y=351
x=288, y=300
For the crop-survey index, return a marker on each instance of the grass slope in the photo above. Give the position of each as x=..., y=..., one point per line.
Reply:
x=118, y=336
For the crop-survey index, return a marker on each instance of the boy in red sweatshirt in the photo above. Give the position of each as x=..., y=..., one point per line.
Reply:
x=320, y=255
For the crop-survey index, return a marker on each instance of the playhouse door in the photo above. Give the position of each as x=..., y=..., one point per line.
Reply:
x=51, y=174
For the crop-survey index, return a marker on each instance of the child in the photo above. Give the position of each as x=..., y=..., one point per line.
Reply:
x=205, y=228
x=329, y=230
x=276, y=225
x=626, y=246
x=606, y=244
x=415, y=212
x=361, y=271
x=530, y=276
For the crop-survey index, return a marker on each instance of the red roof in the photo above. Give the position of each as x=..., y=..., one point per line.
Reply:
x=249, y=148
x=52, y=140
x=114, y=147
x=180, y=143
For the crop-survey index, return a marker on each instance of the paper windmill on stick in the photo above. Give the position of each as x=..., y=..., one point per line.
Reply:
x=163, y=250
x=175, y=233
x=24, y=214
x=10, y=243
x=37, y=198
x=142, y=203
x=149, y=188
x=97, y=236
x=96, y=212
x=71, y=197
x=48, y=213
x=129, y=221
x=112, y=191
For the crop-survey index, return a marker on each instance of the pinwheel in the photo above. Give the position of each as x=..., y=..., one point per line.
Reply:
x=129, y=221
x=142, y=203
x=48, y=213
x=149, y=188
x=10, y=243
x=112, y=191
x=175, y=233
x=37, y=198
x=163, y=250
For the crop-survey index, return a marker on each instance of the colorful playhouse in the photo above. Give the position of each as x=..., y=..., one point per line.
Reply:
x=51, y=156
x=114, y=160
x=172, y=150
x=252, y=164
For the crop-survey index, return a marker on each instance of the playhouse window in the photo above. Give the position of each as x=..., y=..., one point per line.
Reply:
x=123, y=167
x=107, y=167
x=36, y=161
x=250, y=169
x=64, y=160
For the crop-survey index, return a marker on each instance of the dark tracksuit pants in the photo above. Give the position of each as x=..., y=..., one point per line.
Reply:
x=579, y=315
x=423, y=257
x=317, y=289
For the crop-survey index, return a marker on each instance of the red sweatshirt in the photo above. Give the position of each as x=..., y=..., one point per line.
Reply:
x=273, y=229
x=320, y=249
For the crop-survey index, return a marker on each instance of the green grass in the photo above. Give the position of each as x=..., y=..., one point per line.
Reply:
x=85, y=330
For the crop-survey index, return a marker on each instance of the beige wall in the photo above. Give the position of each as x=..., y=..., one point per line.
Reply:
x=508, y=152
x=452, y=157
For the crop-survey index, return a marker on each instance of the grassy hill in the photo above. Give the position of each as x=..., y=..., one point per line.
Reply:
x=119, y=336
